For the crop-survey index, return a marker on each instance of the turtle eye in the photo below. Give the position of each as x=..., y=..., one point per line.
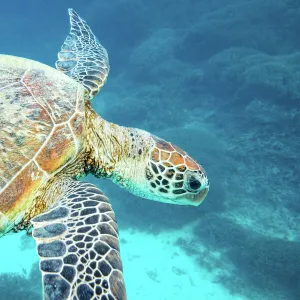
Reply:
x=193, y=184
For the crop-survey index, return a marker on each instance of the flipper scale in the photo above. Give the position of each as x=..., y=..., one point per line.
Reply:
x=82, y=51
x=77, y=243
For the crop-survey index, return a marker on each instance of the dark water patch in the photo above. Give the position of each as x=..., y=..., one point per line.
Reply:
x=16, y=287
x=250, y=263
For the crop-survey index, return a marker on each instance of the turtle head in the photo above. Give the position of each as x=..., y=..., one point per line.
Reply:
x=145, y=165
x=158, y=170
x=173, y=176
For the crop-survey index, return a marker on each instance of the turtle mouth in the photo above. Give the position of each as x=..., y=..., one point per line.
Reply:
x=197, y=199
x=188, y=198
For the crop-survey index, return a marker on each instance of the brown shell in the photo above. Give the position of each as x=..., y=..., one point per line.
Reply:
x=41, y=129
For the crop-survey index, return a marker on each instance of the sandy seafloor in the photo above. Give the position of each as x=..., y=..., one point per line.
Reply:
x=155, y=268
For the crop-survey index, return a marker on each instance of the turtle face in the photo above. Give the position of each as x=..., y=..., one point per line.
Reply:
x=174, y=177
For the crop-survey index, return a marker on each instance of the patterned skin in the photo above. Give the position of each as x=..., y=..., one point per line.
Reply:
x=49, y=137
x=176, y=176
x=87, y=266
x=142, y=163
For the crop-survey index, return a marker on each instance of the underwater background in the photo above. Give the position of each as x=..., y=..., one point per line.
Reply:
x=219, y=78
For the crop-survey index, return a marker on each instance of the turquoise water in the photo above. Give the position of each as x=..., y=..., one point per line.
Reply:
x=219, y=78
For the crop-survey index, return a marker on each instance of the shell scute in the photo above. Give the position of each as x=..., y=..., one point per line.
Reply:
x=18, y=191
x=76, y=124
x=41, y=131
x=25, y=126
x=58, y=150
x=8, y=77
x=58, y=98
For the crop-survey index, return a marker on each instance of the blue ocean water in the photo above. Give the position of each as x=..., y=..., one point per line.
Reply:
x=221, y=79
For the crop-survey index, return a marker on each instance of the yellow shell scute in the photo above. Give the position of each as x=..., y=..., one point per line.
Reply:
x=22, y=132
x=17, y=193
x=57, y=96
x=58, y=150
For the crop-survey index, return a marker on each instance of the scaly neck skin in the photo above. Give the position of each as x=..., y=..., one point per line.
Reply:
x=116, y=152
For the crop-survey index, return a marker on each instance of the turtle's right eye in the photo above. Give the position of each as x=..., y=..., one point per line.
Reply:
x=192, y=182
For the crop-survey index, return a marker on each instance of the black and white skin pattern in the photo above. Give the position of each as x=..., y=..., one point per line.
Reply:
x=78, y=247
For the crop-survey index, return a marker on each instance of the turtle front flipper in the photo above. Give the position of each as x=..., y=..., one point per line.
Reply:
x=82, y=57
x=77, y=243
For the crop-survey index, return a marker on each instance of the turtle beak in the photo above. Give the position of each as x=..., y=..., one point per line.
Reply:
x=198, y=198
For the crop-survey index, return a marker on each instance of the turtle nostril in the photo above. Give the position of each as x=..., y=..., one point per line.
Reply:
x=194, y=183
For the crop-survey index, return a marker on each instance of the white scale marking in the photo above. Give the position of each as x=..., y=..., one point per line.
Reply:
x=11, y=84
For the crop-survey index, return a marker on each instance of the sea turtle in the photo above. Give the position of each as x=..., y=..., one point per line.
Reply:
x=50, y=138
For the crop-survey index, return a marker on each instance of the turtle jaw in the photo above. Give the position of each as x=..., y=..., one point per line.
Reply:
x=196, y=199
x=189, y=198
